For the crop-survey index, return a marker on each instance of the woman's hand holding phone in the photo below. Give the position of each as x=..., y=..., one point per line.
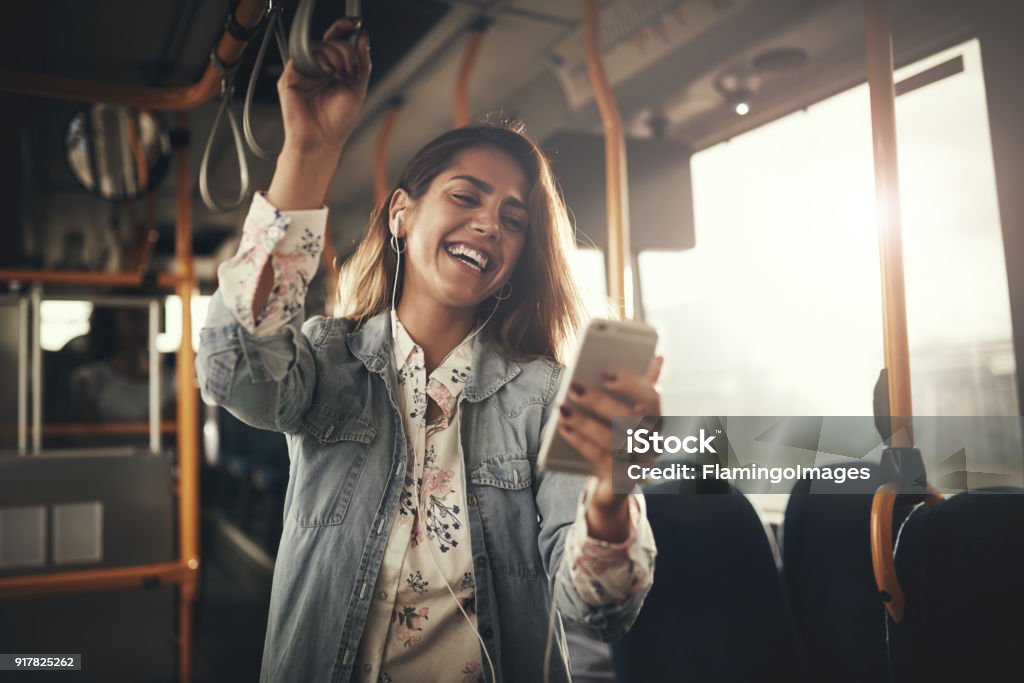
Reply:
x=585, y=422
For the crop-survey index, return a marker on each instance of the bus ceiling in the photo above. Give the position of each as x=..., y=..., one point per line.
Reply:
x=693, y=71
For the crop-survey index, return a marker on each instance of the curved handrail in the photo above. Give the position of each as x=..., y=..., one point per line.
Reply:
x=616, y=188
x=227, y=93
x=474, y=42
x=229, y=50
x=882, y=557
x=299, y=46
x=274, y=28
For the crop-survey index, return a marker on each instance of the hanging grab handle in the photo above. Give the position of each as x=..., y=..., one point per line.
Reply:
x=883, y=562
x=275, y=28
x=227, y=89
x=299, y=45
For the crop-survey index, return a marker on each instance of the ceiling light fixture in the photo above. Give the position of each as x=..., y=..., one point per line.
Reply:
x=738, y=88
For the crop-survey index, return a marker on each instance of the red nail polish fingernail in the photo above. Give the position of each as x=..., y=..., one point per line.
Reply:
x=577, y=388
x=566, y=411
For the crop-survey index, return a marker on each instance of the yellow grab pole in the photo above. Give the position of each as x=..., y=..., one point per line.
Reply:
x=188, y=412
x=887, y=208
x=616, y=189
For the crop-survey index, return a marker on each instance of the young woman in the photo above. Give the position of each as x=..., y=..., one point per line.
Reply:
x=420, y=541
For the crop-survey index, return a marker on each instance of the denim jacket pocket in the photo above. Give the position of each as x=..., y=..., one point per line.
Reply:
x=331, y=461
x=512, y=474
x=502, y=487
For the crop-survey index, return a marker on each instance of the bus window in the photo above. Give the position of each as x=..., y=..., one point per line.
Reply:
x=777, y=308
x=588, y=271
x=169, y=340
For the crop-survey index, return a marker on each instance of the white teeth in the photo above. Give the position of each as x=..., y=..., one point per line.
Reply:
x=477, y=259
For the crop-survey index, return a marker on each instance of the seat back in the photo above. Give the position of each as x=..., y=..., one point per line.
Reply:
x=717, y=610
x=826, y=559
x=961, y=566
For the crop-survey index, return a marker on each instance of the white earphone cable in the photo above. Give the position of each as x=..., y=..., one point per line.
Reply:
x=419, y=500
x=563, y=647
x=440, y=571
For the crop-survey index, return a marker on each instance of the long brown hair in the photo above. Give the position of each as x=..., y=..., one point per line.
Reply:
x=542, y=314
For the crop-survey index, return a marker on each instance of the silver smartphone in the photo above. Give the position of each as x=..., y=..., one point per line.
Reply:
x=608, y=346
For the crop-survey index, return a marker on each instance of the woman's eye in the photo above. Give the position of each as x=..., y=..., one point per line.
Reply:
x=514, y=224
x=465, y=198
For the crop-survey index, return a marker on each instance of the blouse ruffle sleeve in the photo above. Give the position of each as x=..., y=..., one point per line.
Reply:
x=292, y=240
x=608, y=573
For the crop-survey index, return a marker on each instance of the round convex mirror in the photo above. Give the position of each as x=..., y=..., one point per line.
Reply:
x=116, y=152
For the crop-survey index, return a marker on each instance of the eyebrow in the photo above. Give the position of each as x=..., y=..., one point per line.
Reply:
x=488, y=189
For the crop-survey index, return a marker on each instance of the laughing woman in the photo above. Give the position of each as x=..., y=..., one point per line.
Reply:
x=420, y=541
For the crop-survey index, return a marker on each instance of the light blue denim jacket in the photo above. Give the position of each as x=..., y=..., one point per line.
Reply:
x=330, y=387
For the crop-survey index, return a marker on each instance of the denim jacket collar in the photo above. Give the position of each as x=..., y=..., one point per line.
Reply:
x=371, y=344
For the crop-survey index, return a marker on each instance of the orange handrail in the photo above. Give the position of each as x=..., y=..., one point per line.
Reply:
x=141, y=167
x=461, y=105
x=188, y=411
x=882, y=559
x=96, y=579
x=83, y=277
x=616, y=188
x=887, y=208
x=229, y=50
x=104, y=428
x=380, y=156
x=148, y=240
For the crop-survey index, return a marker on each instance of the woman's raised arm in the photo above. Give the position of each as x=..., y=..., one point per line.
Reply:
x=319, y=115
x=255, y=356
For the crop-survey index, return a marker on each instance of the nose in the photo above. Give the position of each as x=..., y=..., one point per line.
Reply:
x=486, y=225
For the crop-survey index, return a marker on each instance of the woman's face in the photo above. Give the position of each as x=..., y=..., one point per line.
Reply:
x=465, y=234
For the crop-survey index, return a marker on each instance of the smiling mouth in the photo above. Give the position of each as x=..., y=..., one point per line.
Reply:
x=474, y=258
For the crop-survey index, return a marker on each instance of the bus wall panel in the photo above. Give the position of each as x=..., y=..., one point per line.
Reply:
x=123, y=505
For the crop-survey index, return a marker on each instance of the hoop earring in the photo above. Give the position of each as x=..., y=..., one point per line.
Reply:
x=395, y=244
x=502, y=290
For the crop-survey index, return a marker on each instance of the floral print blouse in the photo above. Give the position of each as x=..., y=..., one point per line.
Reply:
x=428, y=546
x=424, y=599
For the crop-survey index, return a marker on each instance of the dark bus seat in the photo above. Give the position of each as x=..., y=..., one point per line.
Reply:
x=717, y=610
x=826, y=560
x=961, y=566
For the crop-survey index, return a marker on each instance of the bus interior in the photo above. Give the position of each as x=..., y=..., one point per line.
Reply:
x=817, y=204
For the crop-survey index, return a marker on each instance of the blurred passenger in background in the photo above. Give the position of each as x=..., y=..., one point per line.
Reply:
x=113, y=385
